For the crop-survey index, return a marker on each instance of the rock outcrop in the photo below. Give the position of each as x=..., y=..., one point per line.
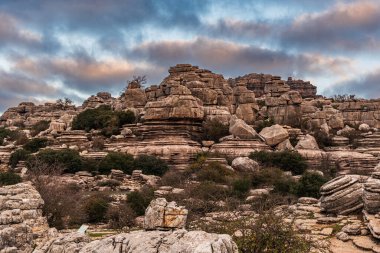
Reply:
x=241, y=129
x=371, y=194
x=163, y=215
x=342, y=195
x=21, y=222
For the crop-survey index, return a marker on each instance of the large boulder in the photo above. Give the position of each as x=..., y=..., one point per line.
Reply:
x=342, y=195
x=274, y=135
x=72, y=242
x=161, y=214
x=371, y=195
x=245, y=164
x=307, y=142
x=21, y=222
x=241, y=129
x=145, y=242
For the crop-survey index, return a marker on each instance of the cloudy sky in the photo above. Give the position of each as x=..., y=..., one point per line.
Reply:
x=52, y=49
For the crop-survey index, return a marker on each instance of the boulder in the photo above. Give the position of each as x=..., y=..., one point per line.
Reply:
x=342, y=195
x=245, y=164
x=274, y=135
x=72, y=242
x=163, y=242
x=371, y=194
x=364, y=127
x=285, y=145
x=307, y=142
x=161, y=214
x=241, y=129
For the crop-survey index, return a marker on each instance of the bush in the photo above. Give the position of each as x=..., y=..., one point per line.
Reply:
x=109, y=182
x=140, y=200
x=214, y=130
x=285, y=160
x=9, y=178
x=266, y=177
x=175, y=178
x=4, y=133
x=241, y=187
x=90, y=165
x=18, y=155
x=19, y=137
x=286, y=185
x=322, y=138
x=309, y=185
x=214, y=172
x=39, y=127
x=96, y=207
x=102, y=118
x=209, y=191
x=118, y=161
x=98, y=143
x=121, y=216
x=70, y=160
x=35, y=144
x=150, y=165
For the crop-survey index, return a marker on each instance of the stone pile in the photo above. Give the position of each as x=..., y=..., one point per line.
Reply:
x=342, y=195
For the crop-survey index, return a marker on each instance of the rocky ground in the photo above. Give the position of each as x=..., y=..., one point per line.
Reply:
x=337, y=137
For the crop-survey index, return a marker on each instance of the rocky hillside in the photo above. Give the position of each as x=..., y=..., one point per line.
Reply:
x=234, y=152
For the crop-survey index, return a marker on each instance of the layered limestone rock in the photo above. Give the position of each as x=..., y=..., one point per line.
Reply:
x=133, y=97
x=307, y=142
x=161, y=214
x=361, y=111
x=101, y=98
x=342, y=195
x=274, y=135
x=240, y=129
x=145, y=242
x=21, y=221
x=371, y=194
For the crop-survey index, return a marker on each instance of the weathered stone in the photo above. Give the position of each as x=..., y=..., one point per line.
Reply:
x=307, y=142
x=274, y=135
x=240, y=129
x=245, y=164
x=72, y=242
x=164, y=215
x=371, y=194
x=343, y=236
x=342, y=195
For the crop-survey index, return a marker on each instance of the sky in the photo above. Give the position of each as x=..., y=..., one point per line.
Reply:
x=52, y=49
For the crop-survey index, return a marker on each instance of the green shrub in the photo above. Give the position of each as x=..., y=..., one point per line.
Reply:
x=286, y=185
x=35, y=144
x=241, y=187
x=18, y=155
x=4, y=133
x=209, y=191
x=150, y=165
x=214, y=172
x=39, y=127
x=96, y=207
x=70, y=160
x=213, y=130
x=102, y=118
x=109, y=182
x=140, y=200
x=119, y=161
x=90, y=165
x=309, y=185
x=285, y=160
x=266, y=177
x=9, y=178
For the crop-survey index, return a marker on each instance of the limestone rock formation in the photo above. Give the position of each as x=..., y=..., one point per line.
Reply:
x=245, y=164
x=21, y=220
x=163, y=215
x=307, y=142
x=371, y=195
x=342, y=195
x=241, y=129
x=145, y=242
x=274, y=135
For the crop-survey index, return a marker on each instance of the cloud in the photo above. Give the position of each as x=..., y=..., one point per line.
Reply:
x=346, y=26
x=366, y=86
x=236, y=59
